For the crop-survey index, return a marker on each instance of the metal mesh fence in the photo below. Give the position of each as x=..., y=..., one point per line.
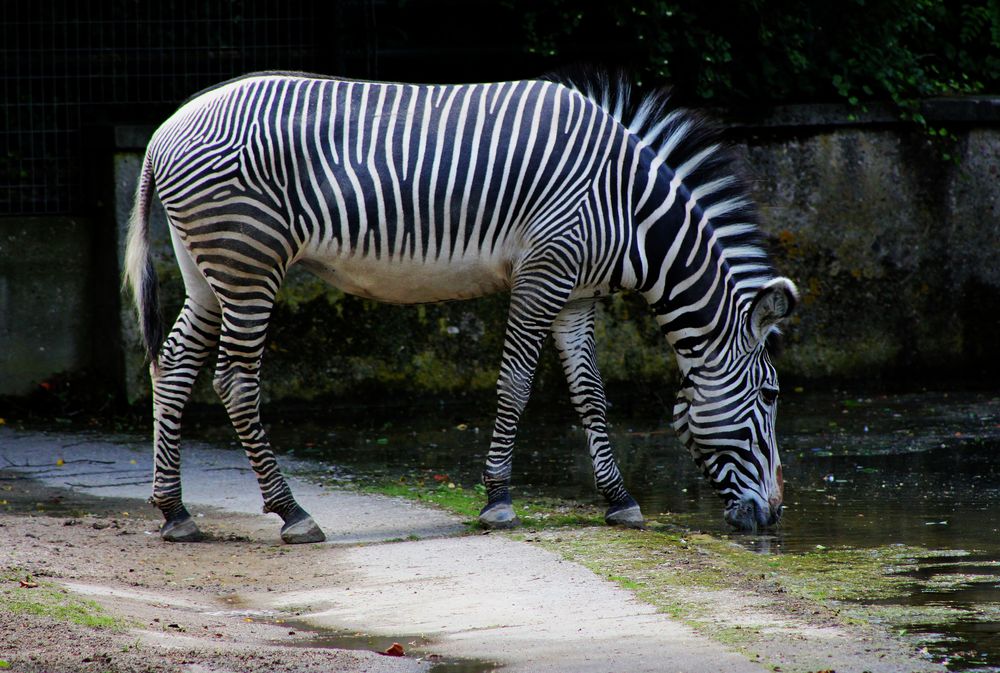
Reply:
x=67, y=66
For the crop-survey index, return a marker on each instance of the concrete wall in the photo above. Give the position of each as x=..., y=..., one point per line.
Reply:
x=45, y=274
x=892, y=242
x=894, y=248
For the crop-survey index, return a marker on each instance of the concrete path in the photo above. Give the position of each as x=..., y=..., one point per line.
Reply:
x=473, y=596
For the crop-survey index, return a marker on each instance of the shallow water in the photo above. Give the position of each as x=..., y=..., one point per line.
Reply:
x=414, y=646
x=860, y=472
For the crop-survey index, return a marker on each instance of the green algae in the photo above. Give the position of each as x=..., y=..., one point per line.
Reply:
x=665, y=551
x=667, y=555
x=687, y=574
x=441, y=494
x=466, y=501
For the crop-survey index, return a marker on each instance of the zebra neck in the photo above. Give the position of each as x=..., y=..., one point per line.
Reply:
x=698, y=287
x=707, y=337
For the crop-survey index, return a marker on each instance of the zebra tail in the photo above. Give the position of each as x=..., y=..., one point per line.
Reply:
x=140, y=275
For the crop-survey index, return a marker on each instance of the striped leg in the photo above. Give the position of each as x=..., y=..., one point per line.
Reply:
x=190, y=343
x=237, y=381
x=537, y=296
x=573, y=333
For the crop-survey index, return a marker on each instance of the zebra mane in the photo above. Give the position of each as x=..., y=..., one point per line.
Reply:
x=685, y=138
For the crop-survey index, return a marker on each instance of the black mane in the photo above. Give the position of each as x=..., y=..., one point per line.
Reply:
x=679, y=135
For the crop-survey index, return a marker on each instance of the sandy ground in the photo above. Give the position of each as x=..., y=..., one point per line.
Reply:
x=179, y=605
x=241, y=601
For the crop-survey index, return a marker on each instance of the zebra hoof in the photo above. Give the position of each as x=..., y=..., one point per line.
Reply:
x=180, y=530
x=498, y=515
x=627, y=514
x=302, y=531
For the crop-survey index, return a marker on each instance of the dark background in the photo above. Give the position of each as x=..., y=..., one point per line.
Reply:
x=903, y=273
x=69, y=67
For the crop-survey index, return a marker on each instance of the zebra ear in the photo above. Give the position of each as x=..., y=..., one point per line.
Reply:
x=774, y=302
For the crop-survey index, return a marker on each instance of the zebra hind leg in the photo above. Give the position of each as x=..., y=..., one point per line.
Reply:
x=237, y=381
x=189, y=344
x=573, y=333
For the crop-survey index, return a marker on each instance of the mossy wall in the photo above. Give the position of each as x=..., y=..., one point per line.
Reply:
x=893, y=246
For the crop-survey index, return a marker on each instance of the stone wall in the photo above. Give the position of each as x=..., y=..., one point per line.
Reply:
x=894, y=248
x=892, y=239
x=45, y=300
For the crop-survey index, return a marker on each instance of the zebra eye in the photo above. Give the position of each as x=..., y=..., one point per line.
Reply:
x=769, y=395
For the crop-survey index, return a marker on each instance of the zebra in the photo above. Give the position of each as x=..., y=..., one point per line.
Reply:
x=559, y=190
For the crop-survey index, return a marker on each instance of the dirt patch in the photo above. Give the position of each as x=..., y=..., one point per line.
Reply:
x=167, y=607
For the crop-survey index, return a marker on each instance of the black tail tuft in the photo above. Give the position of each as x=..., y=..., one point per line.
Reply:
x=152, y=318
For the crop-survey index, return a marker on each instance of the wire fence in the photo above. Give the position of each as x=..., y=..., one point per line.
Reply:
x=69, y=66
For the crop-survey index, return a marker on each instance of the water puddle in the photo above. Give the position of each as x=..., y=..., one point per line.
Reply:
x=415, y=647
x=309, y=636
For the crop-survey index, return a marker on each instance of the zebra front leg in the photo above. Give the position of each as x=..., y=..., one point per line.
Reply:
x=190, y=343
x=573, y=333
x=536, y=298
x=237, y=381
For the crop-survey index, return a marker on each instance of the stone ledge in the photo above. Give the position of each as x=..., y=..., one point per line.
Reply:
x=981, y=110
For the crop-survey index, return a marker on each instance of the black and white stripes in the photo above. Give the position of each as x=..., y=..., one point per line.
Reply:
x=560, y=192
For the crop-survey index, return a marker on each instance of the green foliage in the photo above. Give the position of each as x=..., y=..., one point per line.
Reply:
x=774, y=51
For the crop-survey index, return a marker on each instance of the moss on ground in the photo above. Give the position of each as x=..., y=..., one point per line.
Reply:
x=23, y=594
x=837, y=574
x=437, y=490
x=674, y=569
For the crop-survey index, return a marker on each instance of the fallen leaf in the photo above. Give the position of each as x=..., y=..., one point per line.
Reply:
x=395, y=650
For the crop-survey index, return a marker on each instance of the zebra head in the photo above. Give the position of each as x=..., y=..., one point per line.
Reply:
x=725, y=414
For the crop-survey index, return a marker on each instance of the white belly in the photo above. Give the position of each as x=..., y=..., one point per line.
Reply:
x=408, y=281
